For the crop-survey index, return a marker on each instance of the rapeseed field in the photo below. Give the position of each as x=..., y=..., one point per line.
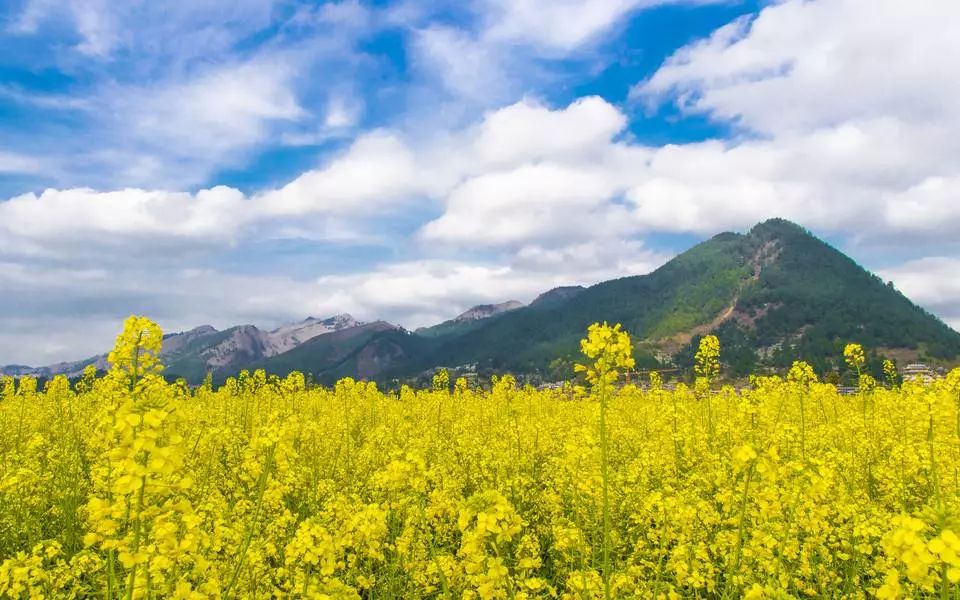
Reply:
x=127, y=486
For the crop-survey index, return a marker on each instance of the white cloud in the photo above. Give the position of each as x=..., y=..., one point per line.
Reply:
x=28, y=20
x=173, y=132
x=519, y=157
x=470, y=69
x=166, y=93
x=213, y=118
x=382, y=169
x=530, y=203
x=595, y=260
x=96, y=25
x=846, y=120
x=219, y=111
x=11, y=162
x=502, y=56
x=851, y=117
x=376, y=171
x=930, y=205
x=51, y=101
x=807, y=65
x=345, y=13
x=343, y=112
x=530, y=131
x=931, y=282
x=183, y=29
x=83, y=308
x=140, y=240
x=529, y=179
x=507, y=174
x=425, y=292
x=84, y=215
x=555, y=25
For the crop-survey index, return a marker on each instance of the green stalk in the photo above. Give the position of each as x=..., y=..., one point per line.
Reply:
x=738, y=553
x=136, y=537
x=709, y=413
x=248, y=538
x=871, y=484
x=676, y=442
x=803, y=429
x=135, y=364
x=933, y=461
x=605, y=477
x=958, y=413
x=111, y=573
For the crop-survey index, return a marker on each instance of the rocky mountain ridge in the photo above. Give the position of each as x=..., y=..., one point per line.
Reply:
x=206, y=346
x=484, y=311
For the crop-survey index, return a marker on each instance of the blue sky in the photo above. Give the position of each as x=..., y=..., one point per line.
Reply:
x=262, y=160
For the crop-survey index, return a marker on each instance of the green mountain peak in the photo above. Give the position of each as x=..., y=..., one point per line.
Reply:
x=772, y=295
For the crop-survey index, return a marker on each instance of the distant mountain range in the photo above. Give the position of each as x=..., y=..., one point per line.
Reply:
x=192, y=353
x=772, y=295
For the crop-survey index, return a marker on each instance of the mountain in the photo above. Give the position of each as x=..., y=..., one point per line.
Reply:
x=364, y=351
x=772, y=295
x=485, y=311
x=191, y=354
x=288, y=337
x=68, y=368
x=469, y=320
x=557, y=295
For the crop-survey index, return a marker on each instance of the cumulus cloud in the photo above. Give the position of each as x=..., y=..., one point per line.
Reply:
x=140, y=240
x=807, y=65
x=377, y=170
x=83, y=308
x=502, y=55
x=929, y=205
x=425, y=292
x=845, y=123
x=492, y=172
x=555, y=194
x=931, y=282
x=529, y=203
x=844, y=116
x=166, y=94
x=530, y=131
x=59, y=219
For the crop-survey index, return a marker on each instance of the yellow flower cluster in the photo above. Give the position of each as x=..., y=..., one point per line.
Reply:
x=707, y=358
x=441, y=380
x=853, y=354
x=927, y=564
x=128, y=486
x=890, y=373
x=610, y=349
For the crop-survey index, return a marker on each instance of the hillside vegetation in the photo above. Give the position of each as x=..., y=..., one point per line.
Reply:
x=772, y=295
